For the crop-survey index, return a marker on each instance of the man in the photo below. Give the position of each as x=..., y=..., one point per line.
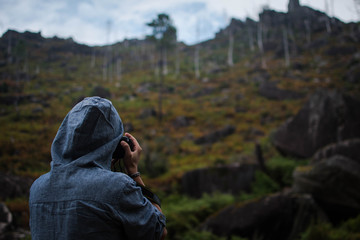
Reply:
x=81, y=198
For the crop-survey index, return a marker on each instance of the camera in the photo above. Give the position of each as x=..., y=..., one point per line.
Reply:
x=119, y=151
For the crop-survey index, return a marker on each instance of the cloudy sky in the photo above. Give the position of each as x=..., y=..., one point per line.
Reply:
x=98, y=22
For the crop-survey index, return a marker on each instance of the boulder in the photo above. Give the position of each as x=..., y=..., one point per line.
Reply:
x=128, y=127
x=327, y=117
x=353, y=74
x=203, y=92
x=334, y=184
x=279, y=216
x=259, y=75
x=271, y=91
x=217, y=135
x=14, y=186
x=182, y=121
x=147, y=112
x=101, y=92
x=5, y=218
x=349, y=148
x=226, y=179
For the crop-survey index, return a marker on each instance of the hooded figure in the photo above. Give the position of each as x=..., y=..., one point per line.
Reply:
x=81, y=198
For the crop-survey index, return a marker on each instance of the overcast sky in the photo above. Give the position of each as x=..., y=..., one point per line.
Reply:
x=98, y=22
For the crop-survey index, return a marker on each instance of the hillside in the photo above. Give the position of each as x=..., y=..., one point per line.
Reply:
x=252, y=77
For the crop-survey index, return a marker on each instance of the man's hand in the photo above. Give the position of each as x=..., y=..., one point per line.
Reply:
x=131, y=158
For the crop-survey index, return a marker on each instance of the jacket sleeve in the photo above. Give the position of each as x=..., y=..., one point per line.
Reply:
x=140, y=219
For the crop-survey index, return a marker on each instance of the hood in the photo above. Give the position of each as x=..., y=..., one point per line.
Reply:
x=88, y=136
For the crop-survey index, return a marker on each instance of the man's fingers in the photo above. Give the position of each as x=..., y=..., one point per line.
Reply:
x=125, y=146
x=135, y=142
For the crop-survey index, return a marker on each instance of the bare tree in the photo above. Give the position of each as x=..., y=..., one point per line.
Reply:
x=357, y=8
x=107, y=52
x=9, y=49
x=251, y=38
x=260, y=45
x=196, y=53
x=177, y=60
x=118, y=69
x=197, y=61
x=286, y=47
x=308, y=30
x=230, y=60
x=327, y=18
x=93, y=58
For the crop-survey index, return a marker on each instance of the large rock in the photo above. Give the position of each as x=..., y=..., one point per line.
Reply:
x=271, y=91
x=348, y=148
x=14, y=186
x=334, y=184
x=353, y=74
x=5, y=219
x=326, y=118
x=280, y=216
x=182, y=121
x=148, y=112
x=101, y=92
x=216, y=135
x=226, y=179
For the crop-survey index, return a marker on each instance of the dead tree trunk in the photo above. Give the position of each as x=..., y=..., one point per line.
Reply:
x=261, y=46
x=177, y=60
x=230, y=60
x=118, y=69
x=308, y=31
x=251, y=39
x=286, y=47
x=196, y=62
x=93, y=59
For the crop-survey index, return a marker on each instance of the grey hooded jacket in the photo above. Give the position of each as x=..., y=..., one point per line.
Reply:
x=81, y=198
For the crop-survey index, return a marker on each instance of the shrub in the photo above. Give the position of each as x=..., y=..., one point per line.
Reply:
x=281, y=169
x=185, y=214
x=349, y=230
x=262, y=186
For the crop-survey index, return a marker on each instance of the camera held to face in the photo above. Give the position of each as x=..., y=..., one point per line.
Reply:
x=120, y=151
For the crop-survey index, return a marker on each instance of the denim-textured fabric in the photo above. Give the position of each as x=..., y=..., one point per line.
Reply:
x=81, y=198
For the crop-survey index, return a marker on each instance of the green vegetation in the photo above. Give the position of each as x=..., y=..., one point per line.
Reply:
x=281, y=169
x=349, y=230
x=185, y=215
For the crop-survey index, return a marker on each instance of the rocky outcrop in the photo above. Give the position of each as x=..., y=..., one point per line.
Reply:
x=226, y=179
x=334, y=184
x=101, y=92
x=349, y=148
x=147, y=112
x=182, y=121
x=217, y=135
x=271, y=91
x=326, y=118
x=353, y=74
x=8, y=230
x=5, y=218
x=280, y=216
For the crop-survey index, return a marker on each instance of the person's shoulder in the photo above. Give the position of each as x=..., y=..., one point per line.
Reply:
x=116, y=182
x=40, y=180
x=39, y=184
